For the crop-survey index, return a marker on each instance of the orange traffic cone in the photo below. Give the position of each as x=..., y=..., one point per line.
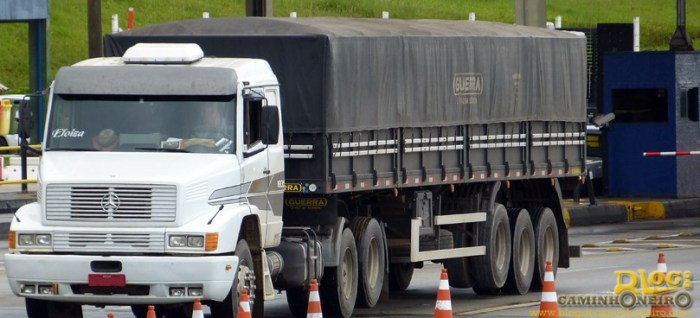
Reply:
x=151, y=312
x=110, y=315
x=666, y=309
x=244, y=305
x=197, y=309
x=443, y=305
x=314, y=309
x=549, y=308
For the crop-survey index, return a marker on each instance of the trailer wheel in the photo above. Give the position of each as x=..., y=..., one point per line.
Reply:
x=547, y=243
x=297, y=301
x=339, y=285
x=491, y=269
x=400, y=275
x=371, y=260
x=458, y=268
x=245, y=278
x=522, y=264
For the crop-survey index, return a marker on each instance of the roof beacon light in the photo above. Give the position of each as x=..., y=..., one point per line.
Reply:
x=163, y=53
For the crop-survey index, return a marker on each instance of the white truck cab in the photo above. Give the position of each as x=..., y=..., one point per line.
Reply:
x=150, y=190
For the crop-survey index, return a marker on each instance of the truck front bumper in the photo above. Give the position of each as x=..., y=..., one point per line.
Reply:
x=149, y=279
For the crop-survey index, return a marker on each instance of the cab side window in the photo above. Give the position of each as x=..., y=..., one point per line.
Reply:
x=252, y=124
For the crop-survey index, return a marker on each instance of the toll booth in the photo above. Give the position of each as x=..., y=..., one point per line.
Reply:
x=654, y=96
x=36, y=14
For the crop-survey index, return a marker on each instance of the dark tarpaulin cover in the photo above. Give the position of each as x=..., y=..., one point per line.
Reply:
x=341, y=74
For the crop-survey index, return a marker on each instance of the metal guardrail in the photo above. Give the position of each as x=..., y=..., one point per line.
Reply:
x=23, y=182
x=10, y=148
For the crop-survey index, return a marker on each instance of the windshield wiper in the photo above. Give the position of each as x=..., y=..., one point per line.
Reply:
x=70, y=149
x=163, y=149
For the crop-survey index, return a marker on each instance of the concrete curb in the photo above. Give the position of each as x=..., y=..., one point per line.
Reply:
x=597, y=214
x=619, y=210
x=683, y=208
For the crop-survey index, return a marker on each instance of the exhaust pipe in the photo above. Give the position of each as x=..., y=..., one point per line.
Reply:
x=680, y=41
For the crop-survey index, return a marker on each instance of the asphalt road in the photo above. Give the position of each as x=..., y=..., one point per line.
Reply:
x=607, y=248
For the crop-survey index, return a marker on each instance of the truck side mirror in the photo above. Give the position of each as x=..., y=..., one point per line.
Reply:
x=25, y=120
x=270, y=116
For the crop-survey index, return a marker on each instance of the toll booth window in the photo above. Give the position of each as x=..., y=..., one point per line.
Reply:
x=640, y=105
x=253, y=121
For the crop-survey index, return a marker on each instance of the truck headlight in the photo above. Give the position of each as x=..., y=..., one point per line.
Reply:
x=195, y=241
x=206, y=242
x=34, y=240
x=43, y=239
x=178, y=241
x=27, y=289
x=26, y=239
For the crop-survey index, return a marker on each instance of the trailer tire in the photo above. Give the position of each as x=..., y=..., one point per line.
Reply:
x=522, y=266
x=400, y=275
x=371, y=252
x=547, y=244
x=458, y=271
x=246, y=271
x=491, y=269
x=339, y=284
x=297, y=301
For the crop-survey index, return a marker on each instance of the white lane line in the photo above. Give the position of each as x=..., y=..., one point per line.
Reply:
x=498, y=308
x=566, y=271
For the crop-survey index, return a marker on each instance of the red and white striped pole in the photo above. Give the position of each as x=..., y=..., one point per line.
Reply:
x=671, y=153
x=130, y=19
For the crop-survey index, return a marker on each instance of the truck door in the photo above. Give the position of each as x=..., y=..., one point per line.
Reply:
x=255, y=163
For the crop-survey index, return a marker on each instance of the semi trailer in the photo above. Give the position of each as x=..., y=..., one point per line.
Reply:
x=206, y=156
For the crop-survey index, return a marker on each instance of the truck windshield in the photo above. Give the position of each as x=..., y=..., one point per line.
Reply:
x=197, y=124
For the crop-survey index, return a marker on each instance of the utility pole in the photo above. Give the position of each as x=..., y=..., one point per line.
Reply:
x=531, y=12
x=94, y=28
x=258, y=8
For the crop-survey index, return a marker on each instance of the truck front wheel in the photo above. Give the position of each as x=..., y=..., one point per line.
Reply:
x=339, y=285
x=245, y=278
x=297, y=301
x=37, y=308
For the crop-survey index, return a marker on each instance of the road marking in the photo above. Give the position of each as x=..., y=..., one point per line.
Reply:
x=565, y=271
x=498, y=308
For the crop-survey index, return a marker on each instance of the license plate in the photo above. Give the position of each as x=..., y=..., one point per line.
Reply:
x=106, y=280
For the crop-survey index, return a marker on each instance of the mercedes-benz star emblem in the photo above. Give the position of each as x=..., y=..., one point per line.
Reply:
x=110, y=202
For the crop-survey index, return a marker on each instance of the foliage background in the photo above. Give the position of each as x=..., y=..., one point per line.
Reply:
x=68, y=21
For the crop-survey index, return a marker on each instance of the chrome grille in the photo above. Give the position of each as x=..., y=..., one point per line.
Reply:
x=109, y=242
x=89, y=202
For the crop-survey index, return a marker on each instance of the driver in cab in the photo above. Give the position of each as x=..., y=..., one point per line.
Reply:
x=213, y=133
